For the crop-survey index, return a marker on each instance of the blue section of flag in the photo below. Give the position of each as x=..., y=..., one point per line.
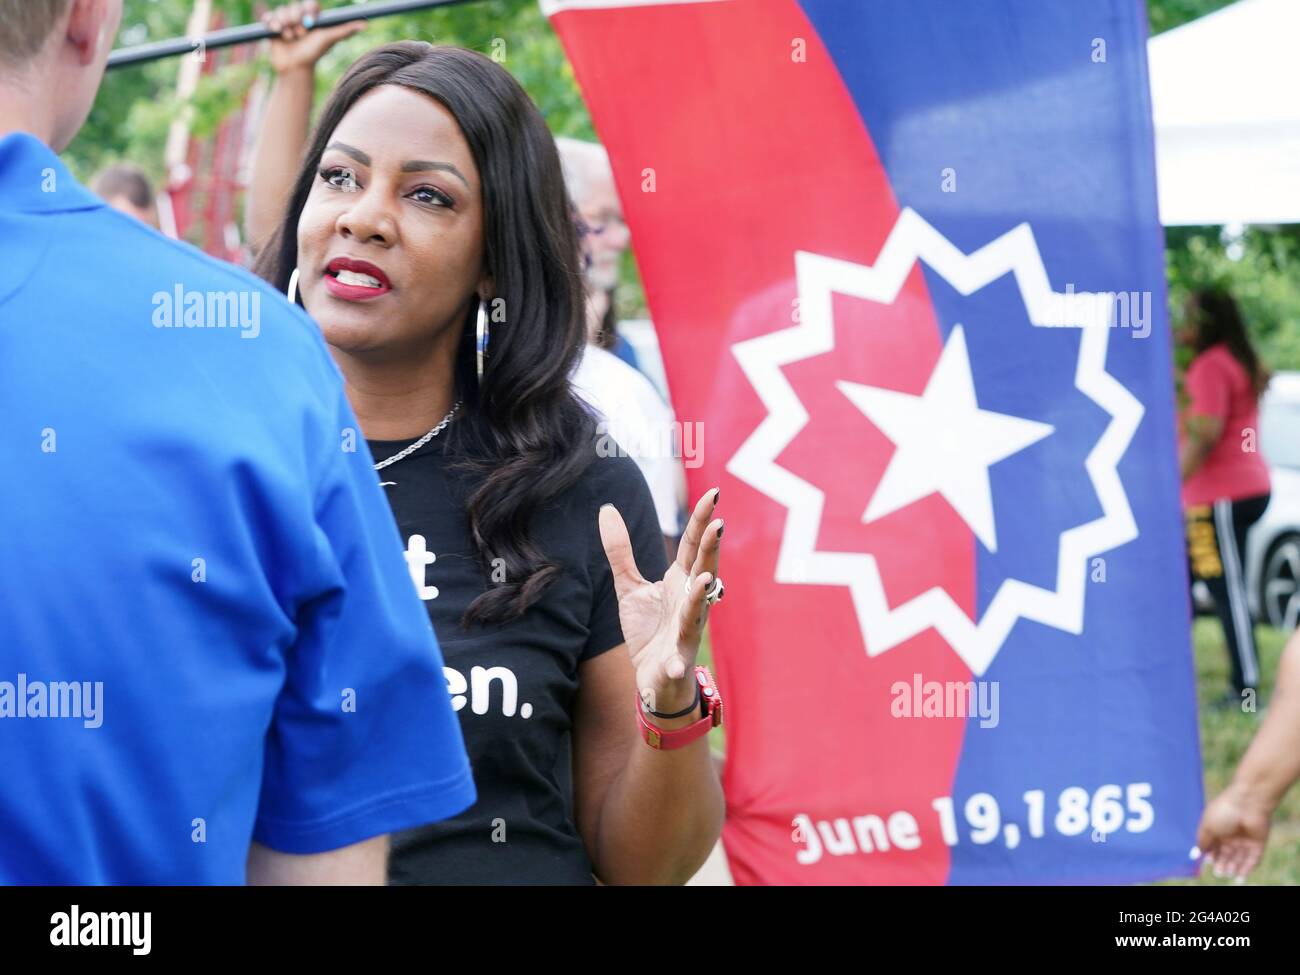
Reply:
x=987, y=116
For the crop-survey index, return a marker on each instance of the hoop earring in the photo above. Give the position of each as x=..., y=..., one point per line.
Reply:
x=293, y=287
x=481, y=338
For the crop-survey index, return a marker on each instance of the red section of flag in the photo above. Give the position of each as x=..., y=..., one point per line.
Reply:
x=732, y=153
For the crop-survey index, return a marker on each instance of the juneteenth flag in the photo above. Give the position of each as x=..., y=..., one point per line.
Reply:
x=905, y=267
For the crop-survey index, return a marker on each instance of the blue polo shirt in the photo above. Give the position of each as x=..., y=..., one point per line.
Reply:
x=208, y=634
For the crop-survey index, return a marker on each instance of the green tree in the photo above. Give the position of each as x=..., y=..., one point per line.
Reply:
x=136, y=105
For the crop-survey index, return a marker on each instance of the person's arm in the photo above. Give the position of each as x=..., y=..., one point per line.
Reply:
x=362, y=864
x=1203, y=432
x=1234, y=828
x=648, y=816
x=287, y=118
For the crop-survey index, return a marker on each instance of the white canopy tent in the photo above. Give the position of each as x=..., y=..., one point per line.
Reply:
x=1225, y=92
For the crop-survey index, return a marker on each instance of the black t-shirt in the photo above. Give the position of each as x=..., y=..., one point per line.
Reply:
x=513, y=685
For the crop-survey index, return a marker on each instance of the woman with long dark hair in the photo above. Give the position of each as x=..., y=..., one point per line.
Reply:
x=429, y=234
x=1225, y=480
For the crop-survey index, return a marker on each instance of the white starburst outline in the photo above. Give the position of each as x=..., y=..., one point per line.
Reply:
x=798, y=561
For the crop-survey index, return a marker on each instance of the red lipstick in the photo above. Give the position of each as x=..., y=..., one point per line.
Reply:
x=352, y=290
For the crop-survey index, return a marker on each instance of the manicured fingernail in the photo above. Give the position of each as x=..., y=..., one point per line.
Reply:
x=309, y=22
x=721, y=526
x=717, y=495
x=607, y=504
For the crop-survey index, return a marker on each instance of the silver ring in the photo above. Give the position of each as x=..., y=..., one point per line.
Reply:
x=715, y=592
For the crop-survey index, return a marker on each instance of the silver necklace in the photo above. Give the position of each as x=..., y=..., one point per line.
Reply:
x=407, y=451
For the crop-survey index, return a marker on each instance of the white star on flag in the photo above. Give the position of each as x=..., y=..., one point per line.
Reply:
x=801, y=562
x=944, y=442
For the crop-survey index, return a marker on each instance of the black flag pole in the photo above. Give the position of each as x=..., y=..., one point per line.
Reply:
x=249, y=33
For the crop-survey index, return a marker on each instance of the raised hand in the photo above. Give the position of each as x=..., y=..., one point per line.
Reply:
x=300, y=47
x=1232, y=833
x=662, y=621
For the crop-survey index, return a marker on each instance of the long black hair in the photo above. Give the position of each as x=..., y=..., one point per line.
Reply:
x=1218, y=319
x=523, y=433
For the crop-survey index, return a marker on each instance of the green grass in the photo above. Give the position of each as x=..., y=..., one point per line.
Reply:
x=1225, y=736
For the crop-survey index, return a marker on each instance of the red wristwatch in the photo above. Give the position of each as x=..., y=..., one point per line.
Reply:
x=710, y=709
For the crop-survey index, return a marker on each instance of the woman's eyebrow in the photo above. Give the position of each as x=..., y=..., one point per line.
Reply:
x=412, y=166
x=420, y=165
x=355, y=153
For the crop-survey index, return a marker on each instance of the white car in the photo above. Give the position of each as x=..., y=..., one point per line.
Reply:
x=1273, y=543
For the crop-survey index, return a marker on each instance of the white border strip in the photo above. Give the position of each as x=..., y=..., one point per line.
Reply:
x=552, y=7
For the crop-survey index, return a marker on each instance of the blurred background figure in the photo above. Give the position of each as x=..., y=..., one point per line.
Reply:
x=590, y=180
x=1225, y=479
x=636, y=418
x=125, y=187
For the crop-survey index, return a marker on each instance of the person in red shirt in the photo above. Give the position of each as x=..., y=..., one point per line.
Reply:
x=1225, y=480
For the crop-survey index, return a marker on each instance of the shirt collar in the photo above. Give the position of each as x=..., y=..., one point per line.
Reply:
x=33, y=180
